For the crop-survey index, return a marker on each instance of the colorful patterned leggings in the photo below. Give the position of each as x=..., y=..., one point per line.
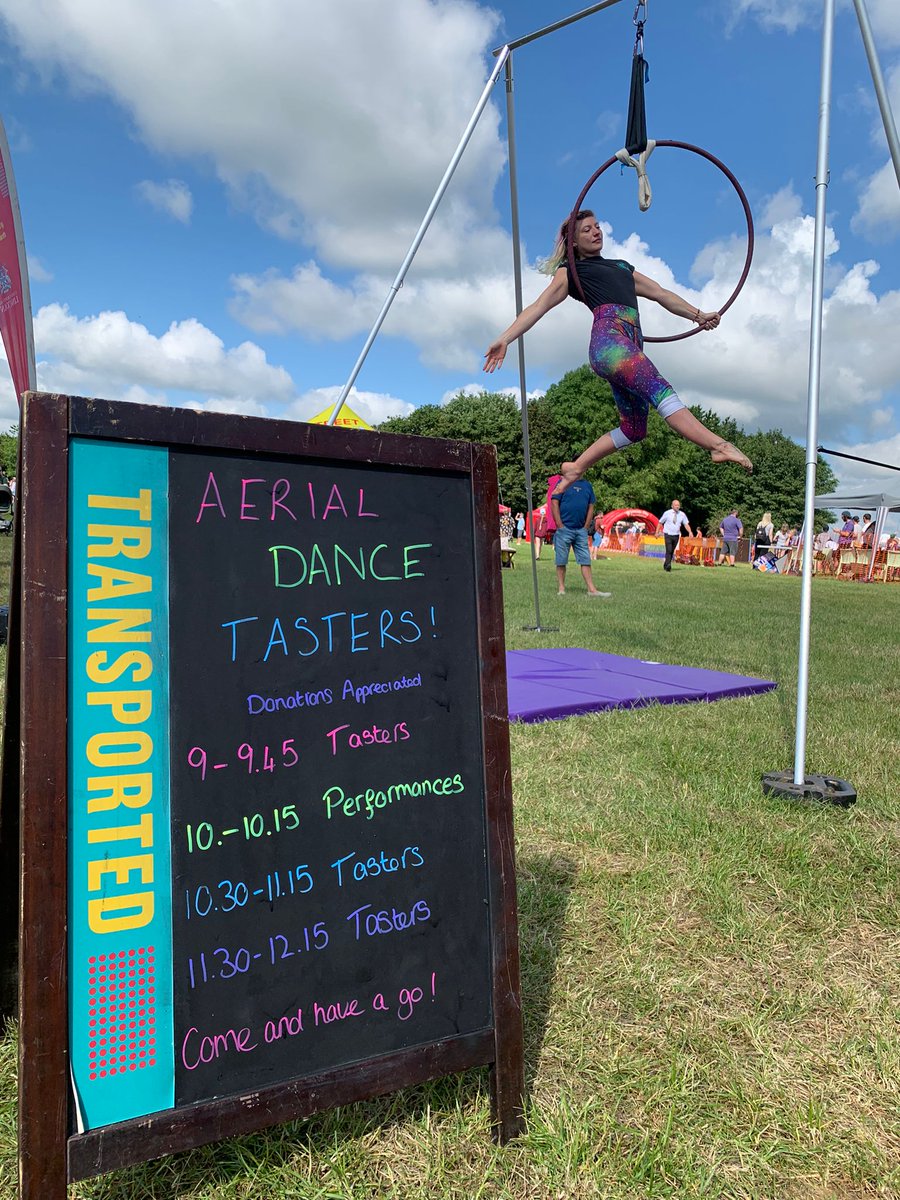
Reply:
x=617, y=355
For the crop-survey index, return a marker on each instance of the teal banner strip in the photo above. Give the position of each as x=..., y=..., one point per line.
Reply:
x=120, y=889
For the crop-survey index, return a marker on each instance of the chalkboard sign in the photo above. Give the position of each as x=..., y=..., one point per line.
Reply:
x=265, y=801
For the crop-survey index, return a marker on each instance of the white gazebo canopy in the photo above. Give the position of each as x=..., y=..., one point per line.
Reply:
x=868, y=502
x=879, y=503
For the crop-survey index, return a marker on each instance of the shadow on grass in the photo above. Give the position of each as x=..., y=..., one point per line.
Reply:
x=544, y=884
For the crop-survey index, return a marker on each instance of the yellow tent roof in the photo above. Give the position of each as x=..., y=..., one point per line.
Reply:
x=347, y=419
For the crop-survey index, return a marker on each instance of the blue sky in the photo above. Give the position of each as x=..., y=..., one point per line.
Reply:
x=216, y=199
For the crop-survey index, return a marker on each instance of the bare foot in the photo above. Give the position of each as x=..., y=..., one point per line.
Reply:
x=570, y=474
x=725, y=452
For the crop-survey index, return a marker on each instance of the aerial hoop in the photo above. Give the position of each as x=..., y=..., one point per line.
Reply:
x=570, y=240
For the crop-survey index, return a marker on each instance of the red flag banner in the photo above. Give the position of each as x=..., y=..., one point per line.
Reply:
x=15, y=297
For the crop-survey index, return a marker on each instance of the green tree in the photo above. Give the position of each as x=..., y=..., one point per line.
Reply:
x=489, y=418
x=578, y=409
x=9, y=450
x=777, y=484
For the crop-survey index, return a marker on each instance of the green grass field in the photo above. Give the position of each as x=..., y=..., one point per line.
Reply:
x=711, y=978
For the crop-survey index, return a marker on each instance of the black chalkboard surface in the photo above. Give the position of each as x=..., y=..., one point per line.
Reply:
x=328, y=799
x=324, y=668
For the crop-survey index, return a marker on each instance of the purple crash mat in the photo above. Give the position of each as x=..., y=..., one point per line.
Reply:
x=548, y=684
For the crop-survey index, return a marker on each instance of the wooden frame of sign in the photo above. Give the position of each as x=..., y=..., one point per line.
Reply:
x=193, y=588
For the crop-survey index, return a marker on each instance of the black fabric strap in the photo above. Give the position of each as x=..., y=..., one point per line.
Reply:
x=636, y=134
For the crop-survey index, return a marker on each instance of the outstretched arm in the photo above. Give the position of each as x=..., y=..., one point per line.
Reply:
x=554, y=293
x=651, y=290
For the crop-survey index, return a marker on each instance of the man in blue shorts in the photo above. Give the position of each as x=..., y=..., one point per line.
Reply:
x=573, y=513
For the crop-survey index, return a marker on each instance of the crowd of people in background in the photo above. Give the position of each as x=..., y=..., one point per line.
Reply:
x=767, y=547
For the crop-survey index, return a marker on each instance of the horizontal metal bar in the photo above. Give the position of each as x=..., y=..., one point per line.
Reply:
x=539, y=33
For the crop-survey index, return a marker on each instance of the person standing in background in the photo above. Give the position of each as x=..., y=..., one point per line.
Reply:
x=520, y=526
x=573, y=514
x=539, y=530
x=848, y=530
x=671, y=522
x=731, y=529
x=765, y=534
x=866, y=532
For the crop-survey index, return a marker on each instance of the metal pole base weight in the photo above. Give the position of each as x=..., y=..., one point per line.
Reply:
x=814, y=787
x=540, y=629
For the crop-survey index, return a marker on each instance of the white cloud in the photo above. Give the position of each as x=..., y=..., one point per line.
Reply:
x=791, y=15
x=754, y=368
x=608, y=125
x=37, y=272
x=307, y=123
x=467, y=389
x=878, y=213
x=373, y=407
x=243, y=408
x=784, y=205
x=478, y=389
x=857, y=478
x=532, y=394
x=306, y=301
x=443, y=317
x=333, y=122
x=172, y=198
x=9, y=404
x=885, y=18
x=110, y=355
x=788, y=15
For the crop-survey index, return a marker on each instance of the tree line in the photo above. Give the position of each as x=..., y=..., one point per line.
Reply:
x=9, y=450
x=579, y=408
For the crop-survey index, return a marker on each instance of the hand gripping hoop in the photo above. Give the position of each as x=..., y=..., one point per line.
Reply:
x=570, y=239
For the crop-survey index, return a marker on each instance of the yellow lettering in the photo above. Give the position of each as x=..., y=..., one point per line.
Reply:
x=122, y=624
x=121, y=868
x=103, y=749
x=143, y=831
x=115, y=583
x=129, y=791
x=98, y=672
x=132, y=541
x=128, y=708
x=101, y=918
x=139, y=504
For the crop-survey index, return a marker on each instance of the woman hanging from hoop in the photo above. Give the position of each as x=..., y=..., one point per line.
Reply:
x=611, y=288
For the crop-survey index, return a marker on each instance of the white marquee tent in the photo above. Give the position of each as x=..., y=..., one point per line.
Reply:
x=879, y=503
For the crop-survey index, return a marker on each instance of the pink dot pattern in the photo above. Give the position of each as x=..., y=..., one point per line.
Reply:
x=121, y=1012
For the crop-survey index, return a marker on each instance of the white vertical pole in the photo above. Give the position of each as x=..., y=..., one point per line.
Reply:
x=517, y=276
x=812, y=413
x=880, y=517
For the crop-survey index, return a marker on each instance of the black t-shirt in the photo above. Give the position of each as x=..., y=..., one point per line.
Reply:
x=604, y=281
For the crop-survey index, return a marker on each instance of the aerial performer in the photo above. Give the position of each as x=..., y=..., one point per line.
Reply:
x=610, y=288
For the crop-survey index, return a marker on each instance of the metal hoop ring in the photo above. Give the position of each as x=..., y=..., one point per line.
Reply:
x=570, y=238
